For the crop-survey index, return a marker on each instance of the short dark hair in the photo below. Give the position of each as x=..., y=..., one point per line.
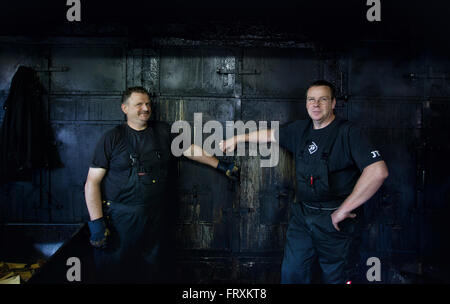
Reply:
x=323, y=82
x=132, y=90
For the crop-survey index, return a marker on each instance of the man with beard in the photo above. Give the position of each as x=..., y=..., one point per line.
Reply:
x=126, y=193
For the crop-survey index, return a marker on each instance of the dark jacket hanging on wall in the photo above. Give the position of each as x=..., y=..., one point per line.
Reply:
x=24, y=138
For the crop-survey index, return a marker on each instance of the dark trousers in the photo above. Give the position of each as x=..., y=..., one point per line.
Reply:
x=311, y=236
x=134, y=251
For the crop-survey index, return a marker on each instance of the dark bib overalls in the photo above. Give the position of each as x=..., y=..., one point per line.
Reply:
x=136, y=218
x=311, y=235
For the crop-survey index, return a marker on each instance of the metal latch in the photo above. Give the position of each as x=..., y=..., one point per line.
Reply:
x=228, y=72
x=243, y=72
x=52, y=69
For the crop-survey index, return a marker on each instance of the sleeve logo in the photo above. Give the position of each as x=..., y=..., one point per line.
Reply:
x=375, y=153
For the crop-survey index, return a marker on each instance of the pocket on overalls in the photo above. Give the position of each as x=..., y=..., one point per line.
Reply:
x=154, y=180
x=320, y=181
x=302, y=171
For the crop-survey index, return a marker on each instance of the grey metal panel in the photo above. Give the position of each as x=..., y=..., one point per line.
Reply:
x=436, y=113
x=204, y=202
x=64, y=179
x=260, y=270
x=436, y=160
x=63, y=109
x=21, y=203
x=239, y=270
x=151, y=70
x=172, y=109
x=91, y=69
x=434, y=235
x=76, y=147
x=384, y=71
x=265, y=195
x=396, y=200
x=14, y=55
x=13, y=202
x=391, y=113
x=134, y=67
x=283, y=110
x=143, y=69
x=405, y=238
x=2, y=112
x=86, y=108
x=206, y=270
x=437, y=180
x=436, y=75
x=282, y=72
x=194, y=72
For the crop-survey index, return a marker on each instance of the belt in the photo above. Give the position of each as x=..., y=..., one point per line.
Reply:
x=318, y=206
x=127, y=207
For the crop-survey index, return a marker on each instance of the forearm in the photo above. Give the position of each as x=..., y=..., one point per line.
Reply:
x=197, y=154
x=262, y=136
x=367, y=185
x=93, y=200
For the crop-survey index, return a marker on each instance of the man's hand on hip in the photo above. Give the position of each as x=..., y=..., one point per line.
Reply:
x=338, y=216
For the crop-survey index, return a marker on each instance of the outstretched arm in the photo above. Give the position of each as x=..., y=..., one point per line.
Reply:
x=197, y=154
x=261, y=136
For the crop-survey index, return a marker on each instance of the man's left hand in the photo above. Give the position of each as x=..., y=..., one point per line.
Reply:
x=230, y=170
x=338, y=216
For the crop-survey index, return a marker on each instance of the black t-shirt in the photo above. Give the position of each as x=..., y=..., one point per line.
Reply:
x=111, y=153
x=351, y=153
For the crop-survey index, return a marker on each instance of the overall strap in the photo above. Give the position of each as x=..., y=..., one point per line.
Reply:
x=134, y=156
x=304, y=128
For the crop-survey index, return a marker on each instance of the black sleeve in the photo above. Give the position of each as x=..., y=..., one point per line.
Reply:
x=361, y=149
x=103, y=150
x=167, y=131
x=287, y=138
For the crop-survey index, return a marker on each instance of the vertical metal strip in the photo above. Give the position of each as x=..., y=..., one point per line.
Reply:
x=49, y=196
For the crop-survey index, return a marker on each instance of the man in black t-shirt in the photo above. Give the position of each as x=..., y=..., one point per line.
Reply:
x=337, y=170
x=127, y=190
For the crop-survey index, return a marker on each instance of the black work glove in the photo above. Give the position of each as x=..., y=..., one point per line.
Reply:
x=99, y=233
x=230, y=170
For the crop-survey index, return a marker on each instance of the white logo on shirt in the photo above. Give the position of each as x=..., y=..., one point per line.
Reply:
x=375, y=153
x=312, y=148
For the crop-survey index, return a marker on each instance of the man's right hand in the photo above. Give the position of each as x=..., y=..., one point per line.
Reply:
x=228, y=145
x=99, y=233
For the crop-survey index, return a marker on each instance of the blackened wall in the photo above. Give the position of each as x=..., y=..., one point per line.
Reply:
x=398, y=91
